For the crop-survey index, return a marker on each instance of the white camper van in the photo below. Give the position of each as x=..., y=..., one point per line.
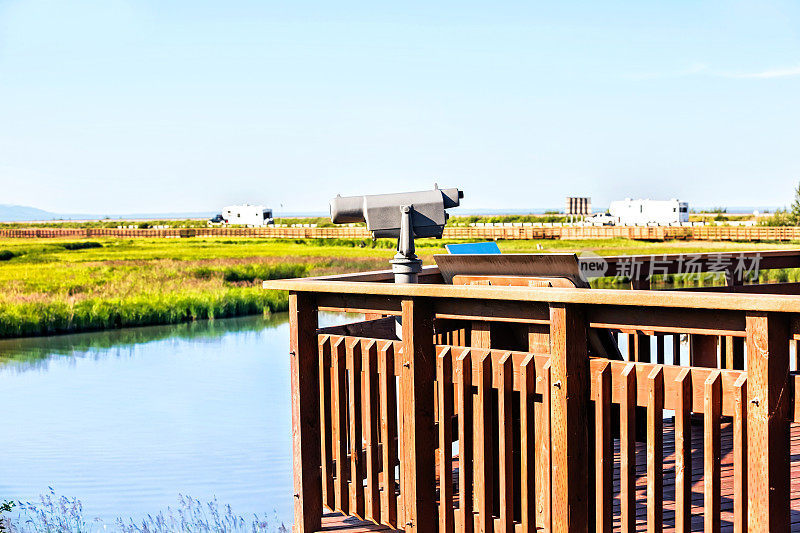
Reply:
x=245, y=215
x=630, y=212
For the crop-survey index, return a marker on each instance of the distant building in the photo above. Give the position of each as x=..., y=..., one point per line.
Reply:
x=578, y=206
x=630, y=212
x=244, y=215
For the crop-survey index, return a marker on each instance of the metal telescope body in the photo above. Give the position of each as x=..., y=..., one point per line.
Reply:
x=401, y=216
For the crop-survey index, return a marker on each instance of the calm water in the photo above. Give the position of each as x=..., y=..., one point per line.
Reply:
x=126, y=420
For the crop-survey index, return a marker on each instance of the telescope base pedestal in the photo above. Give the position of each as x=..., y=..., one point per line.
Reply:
x=406, y=270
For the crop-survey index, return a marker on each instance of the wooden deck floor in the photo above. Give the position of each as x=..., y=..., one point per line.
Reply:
x=339, y=523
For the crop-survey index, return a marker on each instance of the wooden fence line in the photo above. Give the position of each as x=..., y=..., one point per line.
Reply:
x=660, y=233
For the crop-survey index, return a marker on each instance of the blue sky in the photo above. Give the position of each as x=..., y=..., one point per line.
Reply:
x=173, y=105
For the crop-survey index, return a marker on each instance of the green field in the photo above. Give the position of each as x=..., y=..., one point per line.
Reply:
x=58, y=286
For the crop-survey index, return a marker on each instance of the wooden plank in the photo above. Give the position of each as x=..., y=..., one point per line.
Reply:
x=740, y=456
x=340, y=425
x=660, y=349
x=767, y=423
x=483, y=443
x=683, y=306
x=676, y=349
x=711, y=453
x=703, y=350
x=419, y=433
x=517, y=281
x=545, y=479
x=325, y=394
x=539, y=339
x=444, y=382
x=604, y=452
x=641, y=347
x=569, y=419
x=372, y=503
x=304, y=372
x=505, y=418
x=481, y=334
x=627, y=435
x=490, y=311
x=683, y=453
x=655, y=450
x=527, y=422
x=465, y=439
x=354, y=359
x=388, y=434
x=666, y=320
x=358, y=303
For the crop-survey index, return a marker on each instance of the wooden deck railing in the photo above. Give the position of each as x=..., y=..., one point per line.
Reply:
x=492, y=414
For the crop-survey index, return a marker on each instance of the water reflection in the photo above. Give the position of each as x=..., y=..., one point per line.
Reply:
x=126, y=420
x=28, y=353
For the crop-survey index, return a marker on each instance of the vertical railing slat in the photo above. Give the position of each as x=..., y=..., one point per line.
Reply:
x=676, y=349
x=528, y=444
x=505, y=373
x=655, y=450
x=372, y=509
x=604, y=452
x=711, y=451
x=444, y=385
x=659, y=348
x=388, y=434
x=546, y=479
x=483, y=444
x=627, y=449
x=683, y=452
x=325, y=412
x=740, y=454
x=340, y=426
x=542, y=453
x=354, y=358
x=465, y=438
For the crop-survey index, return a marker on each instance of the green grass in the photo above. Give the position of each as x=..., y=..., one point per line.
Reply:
x=49, y=287
x=59, y=286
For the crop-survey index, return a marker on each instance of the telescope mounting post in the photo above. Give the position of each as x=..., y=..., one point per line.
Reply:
x=406, y=266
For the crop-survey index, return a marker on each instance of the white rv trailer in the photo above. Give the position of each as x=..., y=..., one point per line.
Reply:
x=630, y=212
x=247, y=215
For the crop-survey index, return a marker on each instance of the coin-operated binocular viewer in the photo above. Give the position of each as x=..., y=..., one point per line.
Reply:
x=401, y=216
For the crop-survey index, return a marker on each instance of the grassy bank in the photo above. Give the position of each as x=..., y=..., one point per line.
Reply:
x=67, y=286
x=60, y=286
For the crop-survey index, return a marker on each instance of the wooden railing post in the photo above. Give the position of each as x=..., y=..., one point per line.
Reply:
x=569, y=418
x=304, y=371
x=417, y=382
x=768, y=392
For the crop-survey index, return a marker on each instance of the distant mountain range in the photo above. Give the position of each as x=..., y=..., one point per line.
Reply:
x=22, y=213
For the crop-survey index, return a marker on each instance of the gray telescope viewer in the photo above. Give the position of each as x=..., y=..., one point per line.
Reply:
x=402, y=216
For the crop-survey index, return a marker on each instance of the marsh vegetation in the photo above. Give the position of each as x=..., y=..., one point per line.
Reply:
x=60, y=286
